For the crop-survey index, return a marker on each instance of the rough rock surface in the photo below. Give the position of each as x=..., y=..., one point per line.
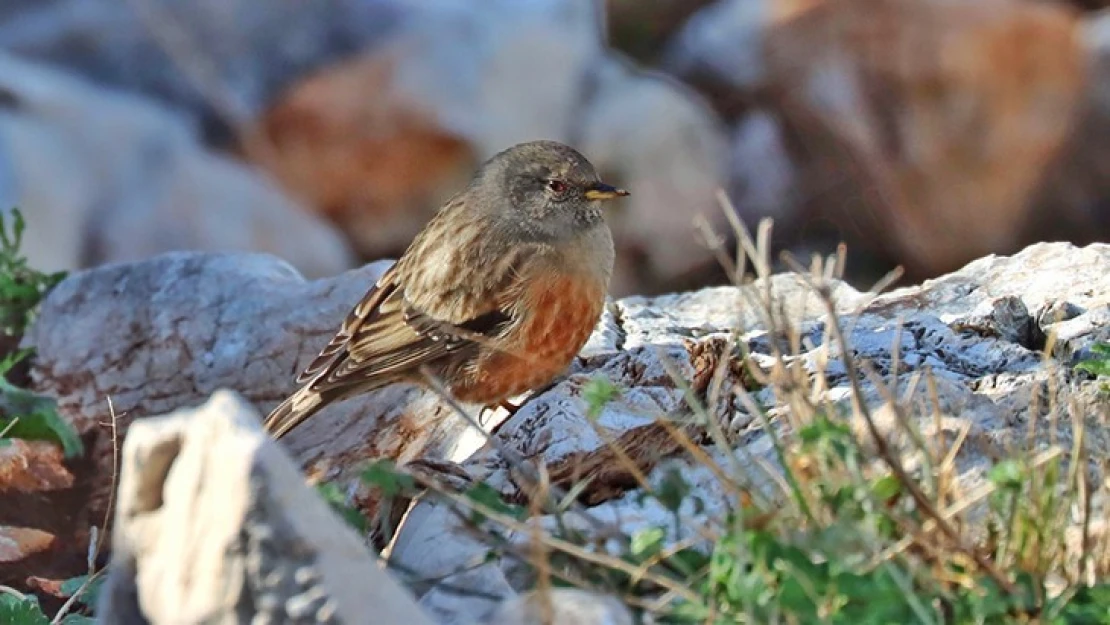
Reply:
x=167, y=332
x=102, y=176
x=254, y=545
x=568, y=606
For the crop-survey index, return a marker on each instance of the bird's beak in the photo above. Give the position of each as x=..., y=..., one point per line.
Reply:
x=602, y=191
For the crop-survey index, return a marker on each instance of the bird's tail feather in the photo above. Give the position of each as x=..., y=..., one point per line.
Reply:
x=292, y=412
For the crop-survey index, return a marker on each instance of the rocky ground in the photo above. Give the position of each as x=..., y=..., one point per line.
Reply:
x=222, y=180
x=966, y=352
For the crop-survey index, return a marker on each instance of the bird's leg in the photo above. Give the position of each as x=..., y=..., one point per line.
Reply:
x=512, y=408
x=489, y=411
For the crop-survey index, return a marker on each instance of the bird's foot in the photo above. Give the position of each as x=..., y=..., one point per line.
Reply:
x=510, y=408
x=489, y=413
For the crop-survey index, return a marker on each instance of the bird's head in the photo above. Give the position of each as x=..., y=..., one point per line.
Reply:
x=547, y=185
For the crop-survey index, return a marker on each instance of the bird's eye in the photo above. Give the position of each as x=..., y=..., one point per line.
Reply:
x=557, y=186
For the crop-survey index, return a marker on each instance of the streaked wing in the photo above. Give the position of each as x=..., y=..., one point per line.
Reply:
x=392, y=332
x=382, y=289
x=384, y=337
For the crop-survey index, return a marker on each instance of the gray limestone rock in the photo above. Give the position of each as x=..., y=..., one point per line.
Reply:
x=214, y=524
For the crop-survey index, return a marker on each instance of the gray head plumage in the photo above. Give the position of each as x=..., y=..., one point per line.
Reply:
x=556, y=188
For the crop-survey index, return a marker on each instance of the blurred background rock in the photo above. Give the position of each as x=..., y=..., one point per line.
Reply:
x=924, y=133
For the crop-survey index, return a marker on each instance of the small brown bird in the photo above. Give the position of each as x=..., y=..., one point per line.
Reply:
x=495, y=296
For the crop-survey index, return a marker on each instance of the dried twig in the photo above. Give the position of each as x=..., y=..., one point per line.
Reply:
x=96, y=538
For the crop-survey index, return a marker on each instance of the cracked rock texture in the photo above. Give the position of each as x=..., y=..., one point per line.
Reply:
x=254, y=546
x=167, y=332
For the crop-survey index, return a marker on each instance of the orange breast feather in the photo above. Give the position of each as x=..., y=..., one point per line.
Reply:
x=560, y=312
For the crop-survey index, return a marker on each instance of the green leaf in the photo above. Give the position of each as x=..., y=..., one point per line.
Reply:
x=383, y=474
x=333, y=495
x=1007, y=475
x=1099, y=363
x=1094, y=367
x=598, y=392
x=827, y=438
x=36, y=418
x=886, y=488
x=21, y=611
x=10, y=243
x=11, y=359
x=672, y=490
x=489, y=497
x=90, y=593
x=647, y=542
x=1089, y=606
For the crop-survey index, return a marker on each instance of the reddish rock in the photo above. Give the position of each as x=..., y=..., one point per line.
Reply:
x=356, y=150
x=925, y=128
x=17, y=543
x=28, y=466
x=919, y=131
x=46, y=515
x=42, y=585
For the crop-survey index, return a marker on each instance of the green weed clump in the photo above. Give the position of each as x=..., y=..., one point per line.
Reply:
x=21, y=287
x=81, y=593
x=25, y=415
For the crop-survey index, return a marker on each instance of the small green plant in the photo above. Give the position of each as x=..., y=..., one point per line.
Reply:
x=598, y=392
x=384, y=475
x=1098, y=364
x=21, y=287
x=28, y=416
x=25, y=415
x=22, y=413
x=333, y=495
x=81, y=593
